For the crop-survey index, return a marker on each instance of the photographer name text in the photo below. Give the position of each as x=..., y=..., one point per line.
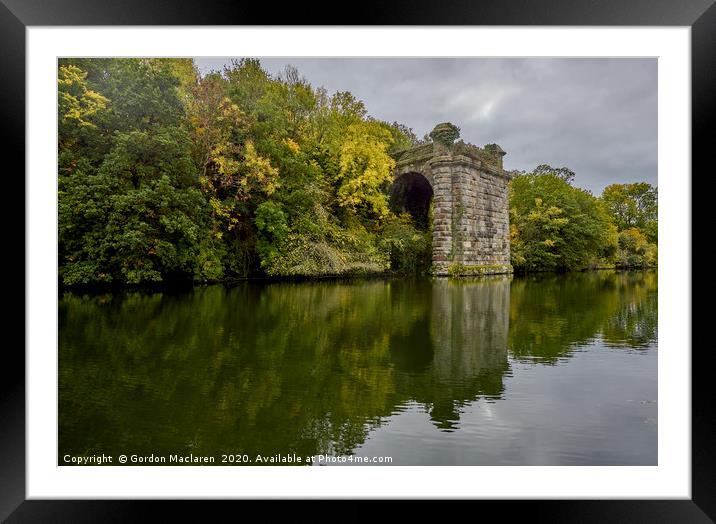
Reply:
x=224, y=458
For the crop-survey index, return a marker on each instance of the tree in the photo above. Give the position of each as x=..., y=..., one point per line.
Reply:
x=131, y=211
x=635, y=250
x=403, y=136
x=247, y=83
x=144, y=92
x=365, y=167
x=554, y=225
x=633, y=208
x=633, y=205
x=139, y=218
x=78, y=105
x=79, y=109
x=563, y=173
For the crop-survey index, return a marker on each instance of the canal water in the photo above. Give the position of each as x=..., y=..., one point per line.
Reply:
x=524, y=370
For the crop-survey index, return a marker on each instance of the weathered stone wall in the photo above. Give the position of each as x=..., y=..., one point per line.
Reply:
x=471, y=232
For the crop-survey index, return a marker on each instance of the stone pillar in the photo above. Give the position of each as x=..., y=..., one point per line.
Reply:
x=442, y=216
x=471, y=217
x=471, y=233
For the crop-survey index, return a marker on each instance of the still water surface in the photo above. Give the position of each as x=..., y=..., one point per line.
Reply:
x=545, y=370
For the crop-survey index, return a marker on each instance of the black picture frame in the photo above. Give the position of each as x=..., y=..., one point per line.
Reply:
x=16, y=15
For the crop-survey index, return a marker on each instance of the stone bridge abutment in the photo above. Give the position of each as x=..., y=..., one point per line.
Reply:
x=470, y=224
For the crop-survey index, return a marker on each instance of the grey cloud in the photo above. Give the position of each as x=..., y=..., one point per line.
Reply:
x=597, y=116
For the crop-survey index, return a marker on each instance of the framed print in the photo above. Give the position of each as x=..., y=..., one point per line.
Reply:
x=259, y=251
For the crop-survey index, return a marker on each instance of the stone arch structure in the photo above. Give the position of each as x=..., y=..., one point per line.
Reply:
x=471, y=233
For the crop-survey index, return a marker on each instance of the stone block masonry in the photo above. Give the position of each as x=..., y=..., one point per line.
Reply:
x=471, y=228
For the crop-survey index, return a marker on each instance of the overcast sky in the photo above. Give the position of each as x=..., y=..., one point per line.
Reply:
x=596, y=116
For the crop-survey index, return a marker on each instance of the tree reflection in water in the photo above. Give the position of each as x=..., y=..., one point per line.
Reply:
x=311, y=368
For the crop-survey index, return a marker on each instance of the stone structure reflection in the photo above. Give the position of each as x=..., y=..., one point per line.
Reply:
x=468, y=325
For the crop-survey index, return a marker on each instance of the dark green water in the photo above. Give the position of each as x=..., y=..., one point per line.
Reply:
x=547, y=370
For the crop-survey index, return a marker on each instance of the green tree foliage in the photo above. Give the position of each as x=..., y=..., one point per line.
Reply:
x=633, y=205
x=564, y=173
x=167, y=174
x=633, y=209
x=137, y=218
x=554, y=225
x=130, y=211
x=409, y=249
x=635, y=250
x=78, y=108
x=403, y=136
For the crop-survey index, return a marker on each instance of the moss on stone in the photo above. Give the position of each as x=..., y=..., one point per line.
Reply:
x=461, y=270
x=415, y=154
x=445, y=133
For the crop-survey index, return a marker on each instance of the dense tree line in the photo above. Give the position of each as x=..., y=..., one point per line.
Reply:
x=556, y=226
x=165, y=174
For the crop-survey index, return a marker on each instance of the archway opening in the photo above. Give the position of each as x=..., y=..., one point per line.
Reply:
x=410, y=242
x=412, y=193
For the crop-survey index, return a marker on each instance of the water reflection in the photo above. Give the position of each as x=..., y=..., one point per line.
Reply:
x=550, y=314
x=311, y=368
x=468, y=324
